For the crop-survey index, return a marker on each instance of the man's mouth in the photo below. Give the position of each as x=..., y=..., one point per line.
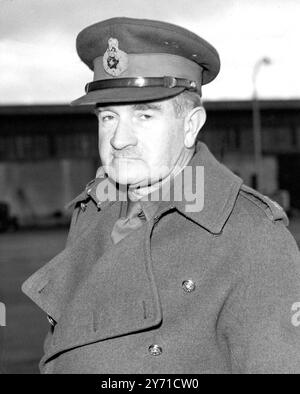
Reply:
x=124, y=156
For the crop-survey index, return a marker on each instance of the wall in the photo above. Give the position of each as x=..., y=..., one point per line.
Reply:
x=243, y=165
x=35, y=189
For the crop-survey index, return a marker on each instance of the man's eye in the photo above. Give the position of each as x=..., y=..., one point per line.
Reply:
x=145, y=116
x=107, y=118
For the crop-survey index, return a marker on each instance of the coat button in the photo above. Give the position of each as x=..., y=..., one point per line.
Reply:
x=188, y=286
x=155, y=350
x=83, y=206
x=51, y=321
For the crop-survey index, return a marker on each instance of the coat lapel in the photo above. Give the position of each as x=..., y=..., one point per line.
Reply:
x=96, y=300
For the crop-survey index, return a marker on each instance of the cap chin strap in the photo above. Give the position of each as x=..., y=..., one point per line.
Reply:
x=141, y=82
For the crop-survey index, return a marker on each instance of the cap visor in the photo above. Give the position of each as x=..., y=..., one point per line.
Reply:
x=126, y=95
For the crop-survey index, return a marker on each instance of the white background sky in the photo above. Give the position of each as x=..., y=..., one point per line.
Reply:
x=39, y=64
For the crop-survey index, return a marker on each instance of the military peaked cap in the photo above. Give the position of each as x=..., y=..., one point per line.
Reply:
x=143, y=60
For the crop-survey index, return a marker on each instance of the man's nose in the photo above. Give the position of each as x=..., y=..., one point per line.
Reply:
x=123, y=135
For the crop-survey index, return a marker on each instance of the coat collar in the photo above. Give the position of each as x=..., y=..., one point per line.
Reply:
x=216, y=187
x=204, y=192
x=220, y=190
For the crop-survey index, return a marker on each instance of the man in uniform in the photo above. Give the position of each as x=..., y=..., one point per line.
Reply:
x=173, y=284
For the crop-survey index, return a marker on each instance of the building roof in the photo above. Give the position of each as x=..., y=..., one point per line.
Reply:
x=62, y=109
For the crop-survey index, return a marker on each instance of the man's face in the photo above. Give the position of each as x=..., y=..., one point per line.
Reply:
x=140, y=144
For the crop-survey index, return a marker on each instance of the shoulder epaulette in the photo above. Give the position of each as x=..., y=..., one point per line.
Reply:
x=271, y=208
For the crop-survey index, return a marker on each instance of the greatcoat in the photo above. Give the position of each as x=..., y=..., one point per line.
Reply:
x=111, y=305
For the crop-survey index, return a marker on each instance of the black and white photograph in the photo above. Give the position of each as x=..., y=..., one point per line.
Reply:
x=149, y=189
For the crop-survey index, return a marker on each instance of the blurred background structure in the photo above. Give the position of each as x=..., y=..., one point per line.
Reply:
x=257, y=138
x=49, y=151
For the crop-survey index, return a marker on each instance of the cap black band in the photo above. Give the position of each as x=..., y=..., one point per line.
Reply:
x=140, y=82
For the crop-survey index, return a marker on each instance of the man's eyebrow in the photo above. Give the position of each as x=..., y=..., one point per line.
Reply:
x=146, y=106
x=99, y=108
x=136, y=107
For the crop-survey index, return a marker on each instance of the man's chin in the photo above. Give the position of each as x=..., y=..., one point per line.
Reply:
x=124, y=179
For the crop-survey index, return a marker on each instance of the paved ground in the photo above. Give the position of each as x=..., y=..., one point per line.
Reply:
x=21, y=254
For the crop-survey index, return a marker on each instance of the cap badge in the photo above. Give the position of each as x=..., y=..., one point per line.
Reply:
x=115, y=61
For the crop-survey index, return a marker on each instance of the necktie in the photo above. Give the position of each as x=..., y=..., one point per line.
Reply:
x=132, y=221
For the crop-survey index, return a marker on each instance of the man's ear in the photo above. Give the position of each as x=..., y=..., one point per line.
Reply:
x=193, y=122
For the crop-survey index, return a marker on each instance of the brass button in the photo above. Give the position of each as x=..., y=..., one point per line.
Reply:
x=155, y=350
x=188, y=285
x=193, y=84
x=83, y=206
x=51, y=321
x=141, y=215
